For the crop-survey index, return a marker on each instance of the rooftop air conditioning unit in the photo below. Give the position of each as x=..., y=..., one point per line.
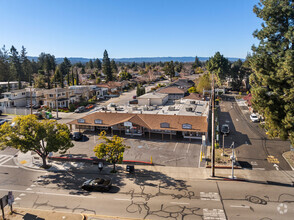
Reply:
x=192, y=102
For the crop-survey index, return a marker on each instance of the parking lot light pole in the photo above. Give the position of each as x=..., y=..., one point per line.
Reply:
x=233, y=159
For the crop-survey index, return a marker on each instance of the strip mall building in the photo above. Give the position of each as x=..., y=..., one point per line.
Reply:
x=180, y=126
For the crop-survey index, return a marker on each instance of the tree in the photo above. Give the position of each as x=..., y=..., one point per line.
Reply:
x=15, y=65
x=196, y=63
x=192, y=90
x=204, y=82
x=112, y=150
x=219, y=65
x=125, y=75
x=26, y=65
x=106, y=68
x=272, y=62
x=66, y=69
x=89, y=64
x=41, y=137
x=140, y=90
x=4, y=65
x=169, y=69
x=58, y=77
x=97, y=64
x=113, y=66
x=48, y=64
x=238, y=73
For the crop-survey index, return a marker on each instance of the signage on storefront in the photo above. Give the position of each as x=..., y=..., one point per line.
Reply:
x=186, y=126
x=164, y=125
x=128, y=124
x=81, y=120
x=98, y=121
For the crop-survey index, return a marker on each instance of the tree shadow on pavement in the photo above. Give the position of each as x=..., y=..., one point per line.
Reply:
x=153, y=178
x=73, y=181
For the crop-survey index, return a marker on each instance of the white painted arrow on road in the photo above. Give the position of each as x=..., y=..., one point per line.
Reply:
x=276, y=166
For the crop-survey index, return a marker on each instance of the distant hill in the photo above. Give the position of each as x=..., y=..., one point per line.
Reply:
x=74, y=60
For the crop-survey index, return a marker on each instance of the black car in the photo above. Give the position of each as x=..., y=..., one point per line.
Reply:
x=98, y=184
x=0, y=112
x=77, y=136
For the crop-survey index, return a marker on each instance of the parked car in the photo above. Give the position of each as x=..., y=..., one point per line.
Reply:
x=90, y=106
x=225, y=129
x=254, y=118
x=0, y=112
x=134, y=97
x=98, y=184
x=77, y=136
x=80, y=109
x=135, y=101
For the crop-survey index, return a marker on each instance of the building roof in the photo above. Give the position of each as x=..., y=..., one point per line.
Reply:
x=171, y=90
x=150, y=121
x=194, y=96
x=152, y=95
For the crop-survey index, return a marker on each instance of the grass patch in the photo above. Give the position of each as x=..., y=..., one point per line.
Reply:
x=221, y=160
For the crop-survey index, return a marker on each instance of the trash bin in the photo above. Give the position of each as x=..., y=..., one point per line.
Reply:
x=130, y=168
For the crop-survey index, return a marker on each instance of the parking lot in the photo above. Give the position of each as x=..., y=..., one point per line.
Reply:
x=167, y=153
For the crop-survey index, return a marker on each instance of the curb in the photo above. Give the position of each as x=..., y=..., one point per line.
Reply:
x=287, y=161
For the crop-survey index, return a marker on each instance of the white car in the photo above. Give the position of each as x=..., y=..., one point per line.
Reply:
x=254, y=118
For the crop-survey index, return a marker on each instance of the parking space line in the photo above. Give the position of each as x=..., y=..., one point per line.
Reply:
x=175, y=146
x=188, y=148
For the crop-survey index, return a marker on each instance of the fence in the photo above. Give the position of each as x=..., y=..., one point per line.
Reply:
x=16, y=111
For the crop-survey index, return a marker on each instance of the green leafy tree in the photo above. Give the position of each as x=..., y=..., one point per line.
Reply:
x=272, y=62
x=41, y=137
x=66, y=67
x=192, y=90
x=238, y=72
x=203, y=82
x=219, y=65
x=169, y=69
x=125, y=75
x=106, y=67
x=39, y=81
x=112, y=150
x=140, y=90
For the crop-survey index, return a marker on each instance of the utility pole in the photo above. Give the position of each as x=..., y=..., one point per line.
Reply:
x=31, y=100
x=212, y=130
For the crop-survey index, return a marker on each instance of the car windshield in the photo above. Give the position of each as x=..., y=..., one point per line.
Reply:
x=225, y=128
x=253, y=116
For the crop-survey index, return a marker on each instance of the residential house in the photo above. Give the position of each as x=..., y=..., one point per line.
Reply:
x=174, y=93
x=63, y=96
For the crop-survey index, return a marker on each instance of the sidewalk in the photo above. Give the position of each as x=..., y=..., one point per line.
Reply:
x=28, y=214
x=141, y=171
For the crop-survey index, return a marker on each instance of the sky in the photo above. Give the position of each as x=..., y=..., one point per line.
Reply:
x=129, y=28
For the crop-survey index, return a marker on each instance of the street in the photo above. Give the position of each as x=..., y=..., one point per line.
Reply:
x=251, y=143
x=150, y=195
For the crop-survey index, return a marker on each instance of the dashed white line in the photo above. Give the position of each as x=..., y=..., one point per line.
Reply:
x=188, y=148
x=29, y=189
x=175, y=146
x=122, y=199
x=180, y=203
x=240, y=206
x=237, y=119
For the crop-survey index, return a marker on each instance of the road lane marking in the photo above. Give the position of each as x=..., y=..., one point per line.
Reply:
x=188, y=148
x=9, y=166
x=254, y=163
x=213, y=196
x=276, y=166
x=46, y=193
x=17, y=198
x=240, y=206
x=22, y=194
x=176, y=146
x=180, y=203
x=237, y=119
x=5, y=159
x=122, y=199
x=28, y=189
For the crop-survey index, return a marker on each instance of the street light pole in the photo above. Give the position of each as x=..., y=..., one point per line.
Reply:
x=223, y=144
x=213, y=130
